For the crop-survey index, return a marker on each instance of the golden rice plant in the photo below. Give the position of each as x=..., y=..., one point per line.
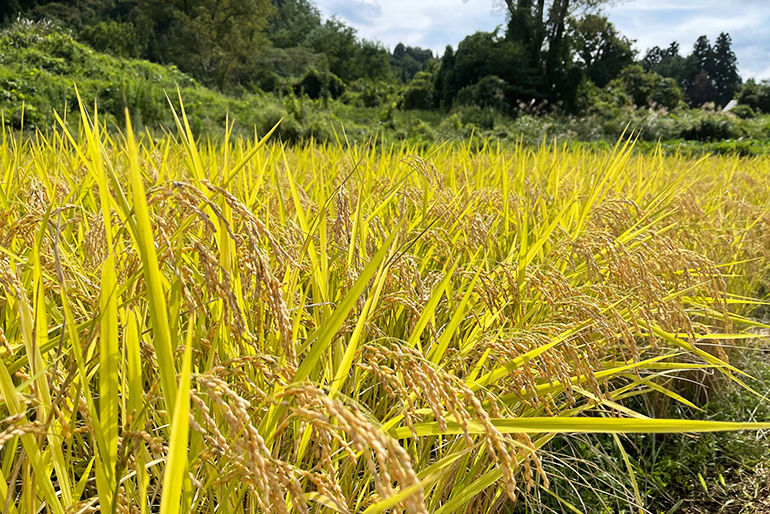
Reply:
x=189, y=326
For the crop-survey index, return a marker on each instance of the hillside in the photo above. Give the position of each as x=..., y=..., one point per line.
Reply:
x=39, y=68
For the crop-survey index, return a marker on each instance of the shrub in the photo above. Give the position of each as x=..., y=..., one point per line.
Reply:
x=709, y=127
x=419, y=93
x=744, y=112
x=648, y=89
x=317, y=84
x=490, y=92
x=756, y=95
x=483, y=118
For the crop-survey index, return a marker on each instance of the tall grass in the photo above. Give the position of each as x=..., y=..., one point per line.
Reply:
x=245, y=327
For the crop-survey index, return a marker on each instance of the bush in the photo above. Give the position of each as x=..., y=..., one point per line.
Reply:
x=648, y=89
x=744, y=112
x=490, y=92
x=756, y=95
x=483, y=118
x=710, y=127
x=419, y=92
x=320, y=84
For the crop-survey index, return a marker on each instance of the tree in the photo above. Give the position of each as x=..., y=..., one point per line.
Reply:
x=419, y=93
x=701, y=89
x=540, y=27
x=698, y=83
x=701, y=53
x=667, y=63
x=724, y=70
x=444, y=85
x=293, y=21
x=408, y=61
x=756, y=95
x=213, y=40
x=648, y=89
x=489, y=92
x=484, y=54
x=373, y=62
x=339, y=43
x=601, y=49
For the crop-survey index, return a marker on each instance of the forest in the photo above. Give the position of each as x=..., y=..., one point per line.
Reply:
x=556, y=69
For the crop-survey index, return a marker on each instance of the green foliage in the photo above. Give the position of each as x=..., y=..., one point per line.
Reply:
x=339, y=43
x=276, y=69
x=602, y=50
x=408, y=61
x=39, y=68
x=541, y=30
x=479, y=117
x=666, y=62
x=756, y=95
x=39, y=65
x=486, y=54
x=711, y=127
x=648, y=89
x=708, y=74
x=491, y=91
x=419, y=93
x=743, y=111
x=322, y=85
x=231, y=45
x=293, y=20
x=112, y=37
x=213, y=40
x=724, y=70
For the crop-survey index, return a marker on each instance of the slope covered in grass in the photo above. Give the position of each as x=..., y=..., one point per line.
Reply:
x=40, y=67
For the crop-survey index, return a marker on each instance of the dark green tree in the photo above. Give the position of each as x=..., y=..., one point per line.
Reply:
x=667, y=63
x=213, y=40
x=292, y=22
x=756, y=95
x=372, y=61
x=648, y=89
x=408, y=61
x=419, y=93
x=445, y=88
x=489, y=92
x=339, y=43
x=724, y=70
x=484, y=54
x=600, y=48
x=698, y=82
x=541, y=28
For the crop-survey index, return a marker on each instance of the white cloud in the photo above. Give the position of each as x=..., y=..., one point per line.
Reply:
x=427, y=23
x=361, y=12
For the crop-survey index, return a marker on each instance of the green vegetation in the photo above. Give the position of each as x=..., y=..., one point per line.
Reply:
x=554, y=73
x=41, y=66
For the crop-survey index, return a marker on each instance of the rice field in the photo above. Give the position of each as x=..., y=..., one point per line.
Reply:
x=242, y=327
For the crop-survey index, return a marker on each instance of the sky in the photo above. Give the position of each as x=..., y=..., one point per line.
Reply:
x=436, y=23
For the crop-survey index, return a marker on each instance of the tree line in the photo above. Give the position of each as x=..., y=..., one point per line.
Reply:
x=550, y=54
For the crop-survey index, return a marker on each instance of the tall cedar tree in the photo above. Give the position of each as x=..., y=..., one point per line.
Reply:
x=724, y=70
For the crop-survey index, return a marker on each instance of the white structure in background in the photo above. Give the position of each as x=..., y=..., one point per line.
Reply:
x=730, y=105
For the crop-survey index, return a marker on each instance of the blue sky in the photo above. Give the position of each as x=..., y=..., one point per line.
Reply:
x=436, y=23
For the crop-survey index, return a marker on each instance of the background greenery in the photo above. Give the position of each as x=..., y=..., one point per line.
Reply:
x=560, y=73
